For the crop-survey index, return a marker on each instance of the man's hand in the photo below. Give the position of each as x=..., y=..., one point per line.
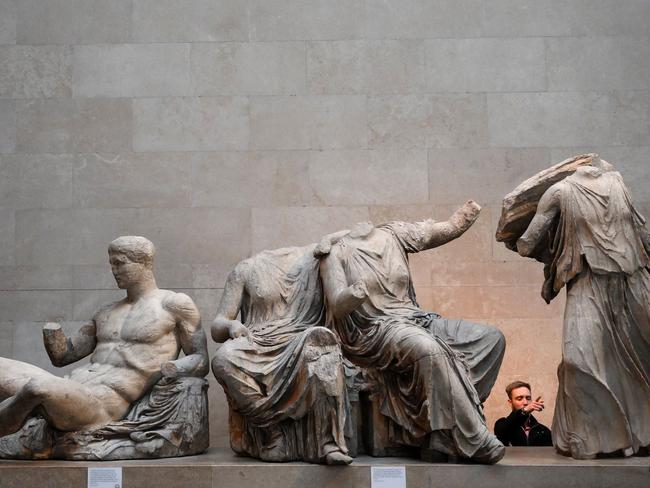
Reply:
x=534, y=406
x=237, y=330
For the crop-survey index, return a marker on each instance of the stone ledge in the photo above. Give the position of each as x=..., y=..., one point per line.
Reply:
x=534, y=467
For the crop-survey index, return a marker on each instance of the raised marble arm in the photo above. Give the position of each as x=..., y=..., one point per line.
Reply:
x=64, y=350
x=547, y=209
x=192, y=339
x=439, y=233
x=225, y=325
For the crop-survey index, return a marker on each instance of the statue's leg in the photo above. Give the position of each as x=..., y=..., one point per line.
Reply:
x=67, y=405
x=15, y=374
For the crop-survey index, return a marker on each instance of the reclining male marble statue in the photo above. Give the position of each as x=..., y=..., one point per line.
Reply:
x=135, y=397
x=432, y=374
x=282, y=371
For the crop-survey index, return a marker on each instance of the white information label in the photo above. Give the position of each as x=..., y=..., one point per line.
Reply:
x=105, y=477
x=388, y=477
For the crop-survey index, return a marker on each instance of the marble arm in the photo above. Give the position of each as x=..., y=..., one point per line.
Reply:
x=341, y=298
x=192, y=339
x=64, y=350
x=547, y=209
x=225, y=325
x=439, y=233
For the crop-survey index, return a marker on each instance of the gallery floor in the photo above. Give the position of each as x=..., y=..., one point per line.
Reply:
x=531, y=467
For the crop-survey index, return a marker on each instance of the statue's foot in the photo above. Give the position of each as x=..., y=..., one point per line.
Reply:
x=337, y=457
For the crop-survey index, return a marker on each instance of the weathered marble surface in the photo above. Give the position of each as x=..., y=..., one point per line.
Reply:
x=280, y=368
x=135, y=398
x=592, y=240
x=431, y=374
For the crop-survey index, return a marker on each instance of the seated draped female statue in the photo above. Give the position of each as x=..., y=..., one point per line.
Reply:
x=434, y=373
x=280, y=368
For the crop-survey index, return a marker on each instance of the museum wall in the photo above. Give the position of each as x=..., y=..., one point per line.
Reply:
x=218, y=128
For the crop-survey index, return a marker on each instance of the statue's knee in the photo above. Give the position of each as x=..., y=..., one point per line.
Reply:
x=221, y=367
x=35, y=388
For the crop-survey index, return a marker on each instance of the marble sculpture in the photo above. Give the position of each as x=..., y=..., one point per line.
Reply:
x=578, y=219
x=135, y=398
x=434, y=372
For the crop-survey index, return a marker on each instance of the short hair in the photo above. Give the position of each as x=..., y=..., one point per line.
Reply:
x=514, y=385
x=138, y=249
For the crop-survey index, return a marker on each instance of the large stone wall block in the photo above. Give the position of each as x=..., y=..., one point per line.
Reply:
x=6, y=339
x=548, y=18
x=7, y=126
x=36, y=180
x=8, y=13
x=37, y=305
x=71, y=236
x=190, y=124
x=421, y=121
x=598, y=63
x=491, y=302
x=8, y=226
x=485, y=65
x=73, y=125
x=485, y=175
x=190, y=20
x=251, y=179
x=416, y=19
x=211, y=275
x=463, y=271
x=35, y=71
x=36, y=278
x=298, y=226
x=362, y=177
x=132, y=180
x=549, y=119
x=198, y=235
x=73, y=21
x=630, y=118
x=284, y=20
x=373, y=67
x=132, y=70
x=257, y=68
x=310, y=122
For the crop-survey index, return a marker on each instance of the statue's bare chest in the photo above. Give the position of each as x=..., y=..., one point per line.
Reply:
x=145, y=321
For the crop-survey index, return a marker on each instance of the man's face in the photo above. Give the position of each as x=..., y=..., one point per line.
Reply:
x=125, y=271
x=519, y=398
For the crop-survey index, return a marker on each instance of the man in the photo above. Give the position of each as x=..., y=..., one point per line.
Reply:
x=520, y=428
x=133, y=343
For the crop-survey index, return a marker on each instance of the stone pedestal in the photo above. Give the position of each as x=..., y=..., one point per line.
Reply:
x=539, y=467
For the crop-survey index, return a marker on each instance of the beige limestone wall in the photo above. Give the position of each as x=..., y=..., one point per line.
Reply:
x=218, y=128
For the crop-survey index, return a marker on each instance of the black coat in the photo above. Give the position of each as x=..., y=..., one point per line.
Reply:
x=509, y=430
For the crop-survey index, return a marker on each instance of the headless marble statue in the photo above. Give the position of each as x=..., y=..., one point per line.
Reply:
x=132, y=344
x=430, y=369
x=594, y=242
x=280, y=368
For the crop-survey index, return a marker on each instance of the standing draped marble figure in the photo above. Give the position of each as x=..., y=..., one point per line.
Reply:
x=281, y=370
x=598, y=248
x=430, y=367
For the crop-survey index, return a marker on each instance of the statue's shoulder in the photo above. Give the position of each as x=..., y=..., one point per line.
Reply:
x=105, y=310
x=179, y=304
